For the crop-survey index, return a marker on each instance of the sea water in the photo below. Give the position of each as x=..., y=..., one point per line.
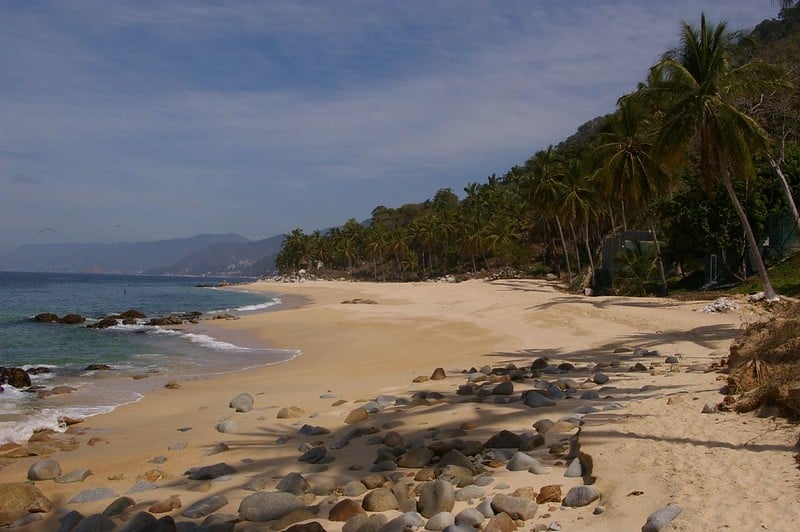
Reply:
x=141, y=356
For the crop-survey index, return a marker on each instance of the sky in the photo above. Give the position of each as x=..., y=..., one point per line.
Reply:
x=145, y=120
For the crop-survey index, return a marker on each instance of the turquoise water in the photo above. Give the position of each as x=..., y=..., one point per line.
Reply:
x=131, y=350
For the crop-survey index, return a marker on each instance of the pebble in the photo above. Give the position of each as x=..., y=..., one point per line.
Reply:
x=290, y=412
x=574, y=469
x=516, y=507
x=178, y=446
x=118, y=506
x=310, y=430
x=221, y=447
x=158, y=459
x=537, y=400
x=710, y=407
x=293, y=483
x=314, y=455
x=227, y=427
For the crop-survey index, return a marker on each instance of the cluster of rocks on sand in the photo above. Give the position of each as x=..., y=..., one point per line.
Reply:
x=399, y=478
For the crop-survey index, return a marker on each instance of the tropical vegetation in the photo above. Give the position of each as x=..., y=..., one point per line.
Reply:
x=703, y=158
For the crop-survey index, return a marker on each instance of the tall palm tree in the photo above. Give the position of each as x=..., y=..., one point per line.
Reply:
x=700, y=89
x=546, y=189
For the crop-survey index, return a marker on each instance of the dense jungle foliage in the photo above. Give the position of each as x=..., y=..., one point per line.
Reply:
x=704, y=158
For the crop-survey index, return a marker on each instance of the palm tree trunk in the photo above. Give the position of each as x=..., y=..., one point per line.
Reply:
x=577, y=249
x=660, y=261
x=589, y=251
x=787, y=190
x=624, y=221
x=769, y=292
x=564, y=247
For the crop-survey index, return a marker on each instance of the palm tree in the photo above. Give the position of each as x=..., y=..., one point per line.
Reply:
x=579, y=203
x=700, y=90
x=546, y=190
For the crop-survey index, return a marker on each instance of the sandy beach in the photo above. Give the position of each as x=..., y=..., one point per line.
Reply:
x=642, y=442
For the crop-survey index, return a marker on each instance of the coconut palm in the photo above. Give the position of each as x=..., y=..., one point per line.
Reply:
x=698, y=90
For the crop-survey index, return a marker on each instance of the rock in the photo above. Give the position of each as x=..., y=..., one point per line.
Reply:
x=92, y=495
x=639, y=367
x=16, y=377
x=267, y=506
x=590, y=395
x=211, y=472
x=661, y=518
x=72, y=319
x=521, y=462
x=469, y=517
x=46, y=317
x=600, y=378
x=457, y=458
x=142, y=485
x=574, y=469
x=356, y=416
x=309, y=430
x=534, y=399
x=69, y=520
x=178, y=446
x=581, y=496
x=436, y=496
x=290, y=412
x=393, y=439
x=354, y=489
x=205, y=507
x=362, y=523
x=103, y=323
x=467, y=493
x=95, y=523
x=242, y=402
x=44, y=470
x=516, y=507
x=344, y=510
x=438, y=374
x=416, y=457
x=671, y=360
x=141, y=522
x=315, y=455
x=710, y=407
x=293, y=483
x=549, y=493
x=504, y=440
x=295, y=516
x=500, y=523
x=306, y=527
x=98, y=367
x=504, y=388
x=598, y=510
x=227, y=426
x=74, y=476
x=221, y=447
x=18, y=499
x=118, y=506
x=440, y=521
x=456, y=475
x=380, y=500
x=167, y=505
x=375, y=480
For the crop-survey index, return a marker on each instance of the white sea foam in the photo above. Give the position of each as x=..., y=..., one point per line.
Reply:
x=211, y=342
x=258, y=306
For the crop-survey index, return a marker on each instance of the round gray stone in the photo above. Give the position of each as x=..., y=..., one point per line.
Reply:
x=293, y=483
x=469, y=517
x=581, y=496
x=380, y=500
x=436, y=496
x=440, y=521
x=661, y=518
x=226, y=427
x=516, y=507
x=267, y=506
x=44, y=470
x=468, y=493
x=242, y=402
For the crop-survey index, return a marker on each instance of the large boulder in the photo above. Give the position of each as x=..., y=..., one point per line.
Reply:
x=44, y=470
x=16, y=377
x=436, y=496
x=46, y=317
x=18, y=499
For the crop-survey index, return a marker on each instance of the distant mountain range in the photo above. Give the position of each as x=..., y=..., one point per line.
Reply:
x=206, y=254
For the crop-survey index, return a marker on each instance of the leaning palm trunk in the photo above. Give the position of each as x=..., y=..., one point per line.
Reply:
x=589, y=252
x=788, y=191
x=564, y=247
x=769, y=292
x=660, y=260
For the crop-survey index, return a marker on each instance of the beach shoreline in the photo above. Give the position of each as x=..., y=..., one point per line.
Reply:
x=360, y=351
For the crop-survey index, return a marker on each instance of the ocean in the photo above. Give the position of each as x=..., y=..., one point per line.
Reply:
x=141, y=356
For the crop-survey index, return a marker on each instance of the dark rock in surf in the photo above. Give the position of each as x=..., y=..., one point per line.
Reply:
x=72, y=319
x=16, y=377
x=46, y=317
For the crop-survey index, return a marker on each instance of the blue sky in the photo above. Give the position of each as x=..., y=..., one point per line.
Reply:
x=132, y=121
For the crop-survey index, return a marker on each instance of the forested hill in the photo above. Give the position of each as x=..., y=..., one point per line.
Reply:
x=642, y=167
